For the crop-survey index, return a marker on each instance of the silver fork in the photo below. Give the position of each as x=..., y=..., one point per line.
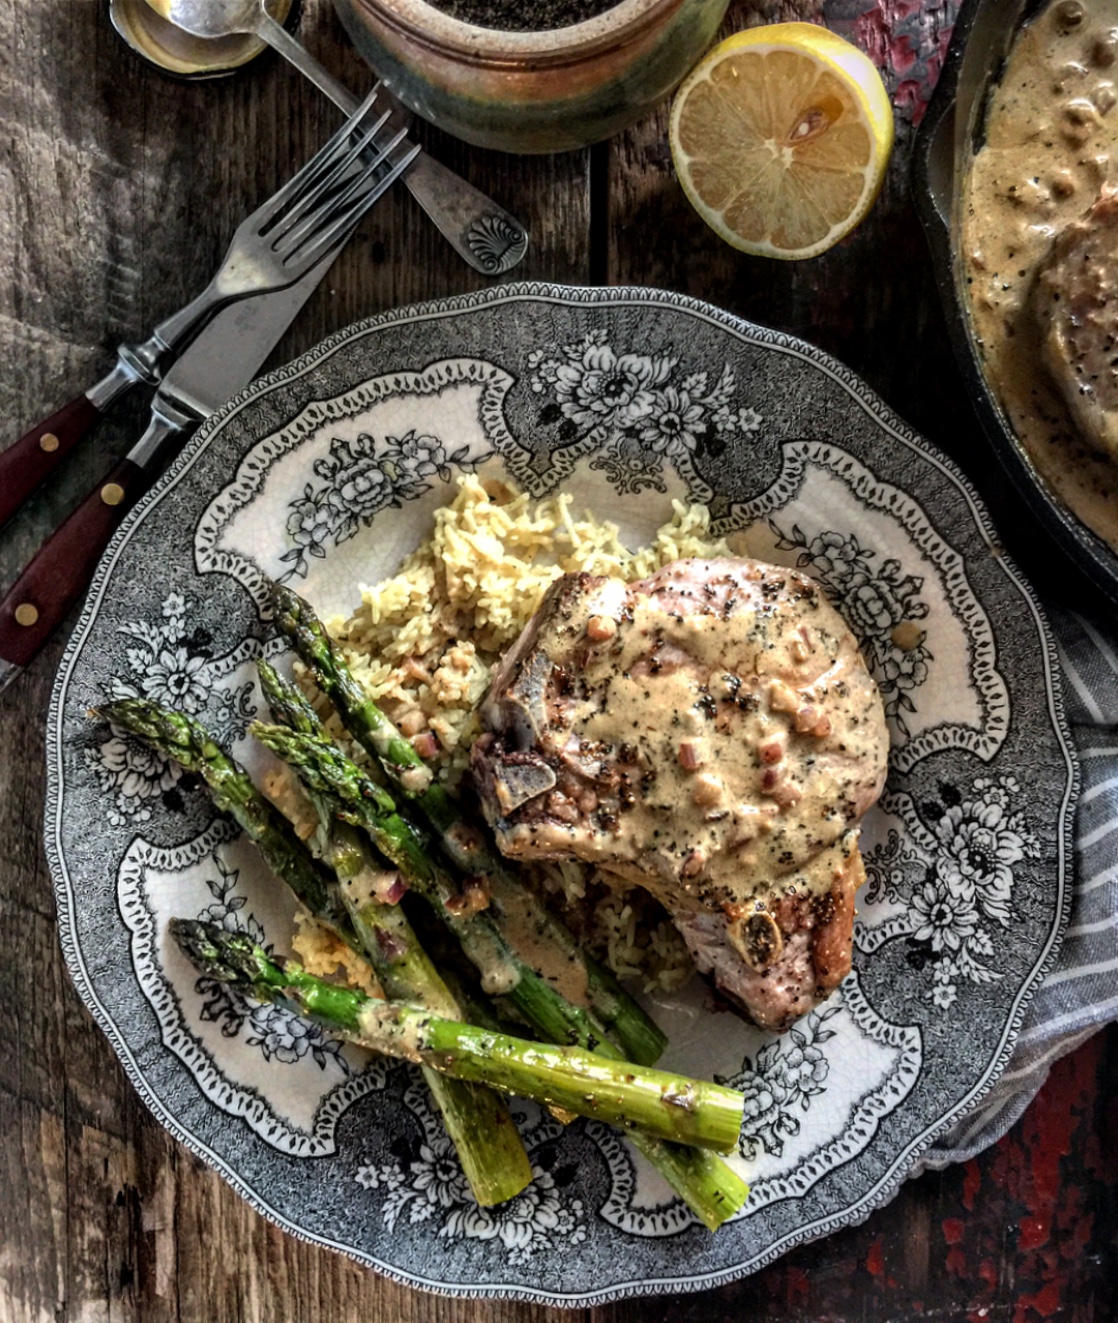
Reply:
x=284, y=237
x=272, y=248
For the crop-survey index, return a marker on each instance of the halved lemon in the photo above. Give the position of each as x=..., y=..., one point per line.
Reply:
x=781, y=137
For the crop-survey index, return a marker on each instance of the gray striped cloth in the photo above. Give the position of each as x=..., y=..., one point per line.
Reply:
x=1080, y=994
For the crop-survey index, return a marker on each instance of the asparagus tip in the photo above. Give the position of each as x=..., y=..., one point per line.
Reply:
x=231, y=957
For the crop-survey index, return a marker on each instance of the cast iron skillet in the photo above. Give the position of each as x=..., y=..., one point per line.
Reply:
x=948, y=137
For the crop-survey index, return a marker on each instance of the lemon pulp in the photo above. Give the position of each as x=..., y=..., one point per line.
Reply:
x=781, y=137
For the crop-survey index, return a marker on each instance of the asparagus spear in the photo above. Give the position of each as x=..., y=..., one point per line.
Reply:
x=290, y=707
x=287, y=703
x=492, y=1154
x=635, y=1032
x=676, y=1108
x=326, y=771
x=709, y=1187
x=188, y=742
x=477, y=1120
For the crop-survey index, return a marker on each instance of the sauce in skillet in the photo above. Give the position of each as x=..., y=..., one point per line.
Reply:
x=1051, y=144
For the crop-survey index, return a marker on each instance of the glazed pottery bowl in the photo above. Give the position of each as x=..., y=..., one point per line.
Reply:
x=532, y=92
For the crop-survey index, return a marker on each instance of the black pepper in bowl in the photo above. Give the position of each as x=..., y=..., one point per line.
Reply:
x=523, y=15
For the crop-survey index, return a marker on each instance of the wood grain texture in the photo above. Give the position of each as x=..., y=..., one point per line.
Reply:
x=119, y=190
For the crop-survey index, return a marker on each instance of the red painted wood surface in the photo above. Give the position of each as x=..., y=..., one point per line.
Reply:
x=1025, y=1232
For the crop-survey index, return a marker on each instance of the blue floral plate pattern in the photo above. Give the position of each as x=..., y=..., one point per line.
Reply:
x=325, y=474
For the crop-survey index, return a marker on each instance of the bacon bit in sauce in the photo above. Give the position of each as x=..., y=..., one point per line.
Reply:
x=693, y=863
x=411, y=723
x=690, y=755
x=473, y=897
x=393, y=889
x=810, y=721
x=783, y=791
x=787, y=795
x=805, y=718
x=391, y=947
x=782, y=698
x=771, y=751
x=707, y=789
x=425, y=744
x=601, y=628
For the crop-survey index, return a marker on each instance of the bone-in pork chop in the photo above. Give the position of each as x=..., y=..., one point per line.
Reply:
x=710, y=733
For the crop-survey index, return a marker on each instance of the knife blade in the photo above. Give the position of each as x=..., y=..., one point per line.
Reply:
x=222, y=359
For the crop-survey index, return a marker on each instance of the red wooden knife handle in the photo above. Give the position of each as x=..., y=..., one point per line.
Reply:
x=27, y=464
x=61, y=569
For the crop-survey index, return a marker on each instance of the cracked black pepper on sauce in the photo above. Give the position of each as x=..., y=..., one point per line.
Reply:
x=1048, y=152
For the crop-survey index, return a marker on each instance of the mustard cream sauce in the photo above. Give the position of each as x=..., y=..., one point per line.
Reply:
x=1051, y=139
x=729, y=724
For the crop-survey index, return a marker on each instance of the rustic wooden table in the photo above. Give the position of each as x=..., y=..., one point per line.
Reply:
x=120, y=189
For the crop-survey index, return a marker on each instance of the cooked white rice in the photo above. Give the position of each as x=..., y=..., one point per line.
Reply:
x=322, y=953
x=422, y=645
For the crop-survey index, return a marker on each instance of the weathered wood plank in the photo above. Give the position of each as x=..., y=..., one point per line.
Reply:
x=34, y=989
x=32, y=1244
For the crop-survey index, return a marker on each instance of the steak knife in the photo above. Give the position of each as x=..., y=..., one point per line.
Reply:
x=221, y=361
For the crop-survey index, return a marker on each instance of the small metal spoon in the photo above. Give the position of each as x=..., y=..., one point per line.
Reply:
x=480, y=231
x=173, y=51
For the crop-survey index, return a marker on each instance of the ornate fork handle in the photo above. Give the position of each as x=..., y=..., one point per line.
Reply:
x=482, y=233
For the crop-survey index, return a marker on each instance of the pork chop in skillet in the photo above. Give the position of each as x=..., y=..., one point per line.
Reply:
x=1076, y=306
x=712, y=734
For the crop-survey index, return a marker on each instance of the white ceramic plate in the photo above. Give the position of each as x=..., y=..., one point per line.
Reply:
x=327, y=472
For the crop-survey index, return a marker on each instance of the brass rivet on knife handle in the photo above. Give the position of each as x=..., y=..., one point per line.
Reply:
x=27, y=463
x=59, y=573
x=112, y=493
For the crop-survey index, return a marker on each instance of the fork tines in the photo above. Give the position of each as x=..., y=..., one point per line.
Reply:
x=327, y=197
